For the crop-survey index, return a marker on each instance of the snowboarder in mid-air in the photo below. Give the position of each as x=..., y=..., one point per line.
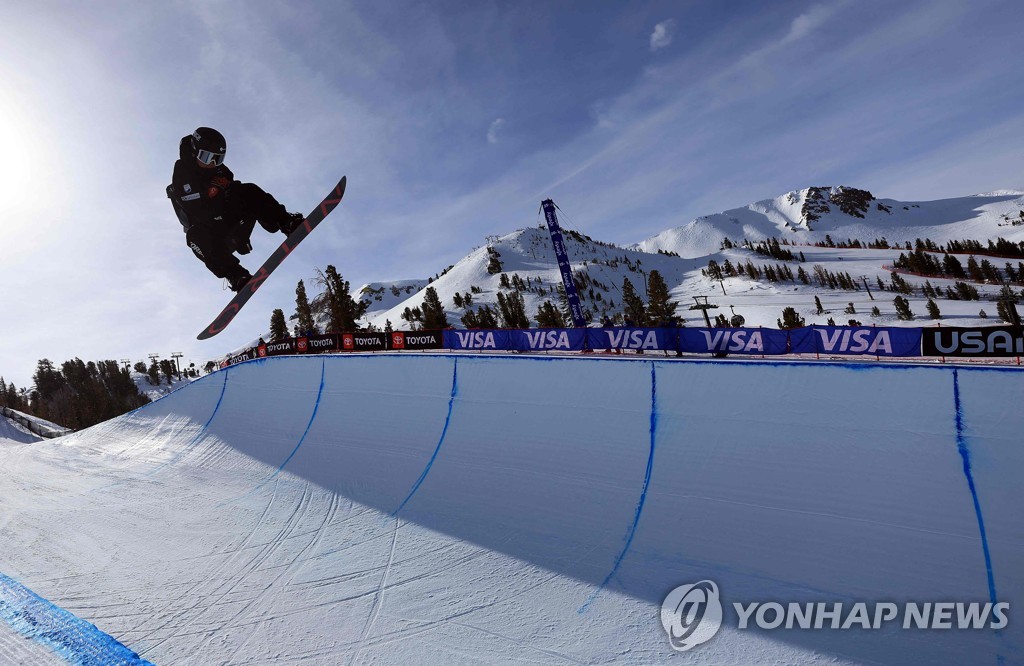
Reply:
x=217, y=212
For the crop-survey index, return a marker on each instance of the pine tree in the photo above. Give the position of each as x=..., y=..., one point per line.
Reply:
x=413, y=316
x=167, y=368
x=486, y=318
x=902, y=309
x=973, y=270
x=791, y=319
x=633, y=306
x=494, y=261
x=817, y=304
x=660, y=310
x=548, y=316
x=278, y=326
x=933, y=309
x=342, y=310
x=1006, y=307
x=434, y=318
x=303, y=311
x=512, y=311
x=952, y=268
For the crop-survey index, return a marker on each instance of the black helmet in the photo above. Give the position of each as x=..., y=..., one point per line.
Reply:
x=209, y=146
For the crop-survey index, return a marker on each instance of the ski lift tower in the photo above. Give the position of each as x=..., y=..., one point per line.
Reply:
x=703, y=306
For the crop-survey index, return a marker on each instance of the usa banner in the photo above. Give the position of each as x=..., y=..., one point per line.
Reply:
x=989, y=341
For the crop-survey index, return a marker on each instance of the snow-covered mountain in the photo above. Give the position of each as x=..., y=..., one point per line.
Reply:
x=527, y=258
x=807, y=216
x=798, y=220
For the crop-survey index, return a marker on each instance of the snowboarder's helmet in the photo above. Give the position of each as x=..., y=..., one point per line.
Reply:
x=209, y=146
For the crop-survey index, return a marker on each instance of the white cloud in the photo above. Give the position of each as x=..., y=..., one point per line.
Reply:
x=663, y=34
x=801, y=26
x=492, y=133
x=808, y=21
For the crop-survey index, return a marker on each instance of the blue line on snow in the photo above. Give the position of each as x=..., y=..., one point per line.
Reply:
x=316, y=407
x=643, y=494
x=965, y=453
x=437, y=449
x=74, y=639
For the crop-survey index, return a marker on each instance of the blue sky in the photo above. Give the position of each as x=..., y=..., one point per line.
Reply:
x=453, y=120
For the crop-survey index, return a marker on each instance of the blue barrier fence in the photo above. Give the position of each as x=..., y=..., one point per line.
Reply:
x=878, y=341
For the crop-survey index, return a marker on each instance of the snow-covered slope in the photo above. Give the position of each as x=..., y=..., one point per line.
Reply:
x=528, y=255
x=680, y=255
x=454, y=509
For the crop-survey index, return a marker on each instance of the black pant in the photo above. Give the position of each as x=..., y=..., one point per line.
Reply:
x=216, y=241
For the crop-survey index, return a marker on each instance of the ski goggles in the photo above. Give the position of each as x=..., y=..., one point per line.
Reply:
x=209, y=158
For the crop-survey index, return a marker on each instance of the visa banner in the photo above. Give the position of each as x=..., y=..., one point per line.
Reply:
x=480, y=340
x=552, y=339
x=857, y=340
x=762, y=341
x=641, y=339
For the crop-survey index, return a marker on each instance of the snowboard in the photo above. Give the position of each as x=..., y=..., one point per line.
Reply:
x=242, y=297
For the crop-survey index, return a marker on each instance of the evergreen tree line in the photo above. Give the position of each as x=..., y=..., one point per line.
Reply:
x=1000, y=247
x=772, y=248
x=782, y=272
x=960, y=291
x=510, y=312
x=925, y=263
x=77, y=395
x=851, y=243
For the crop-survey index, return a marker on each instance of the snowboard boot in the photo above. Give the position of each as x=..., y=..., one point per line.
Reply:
x=239, y=281
x=291, y=222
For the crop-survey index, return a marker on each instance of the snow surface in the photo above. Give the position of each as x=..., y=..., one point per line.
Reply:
x=436, y=508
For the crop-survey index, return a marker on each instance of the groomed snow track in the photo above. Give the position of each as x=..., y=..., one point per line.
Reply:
x=464, y=509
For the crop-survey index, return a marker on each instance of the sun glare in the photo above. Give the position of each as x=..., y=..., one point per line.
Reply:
x=21, y=158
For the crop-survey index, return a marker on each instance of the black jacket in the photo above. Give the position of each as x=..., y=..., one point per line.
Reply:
x=199, y=195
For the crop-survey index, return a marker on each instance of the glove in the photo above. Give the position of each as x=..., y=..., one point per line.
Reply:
x=217, y=185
